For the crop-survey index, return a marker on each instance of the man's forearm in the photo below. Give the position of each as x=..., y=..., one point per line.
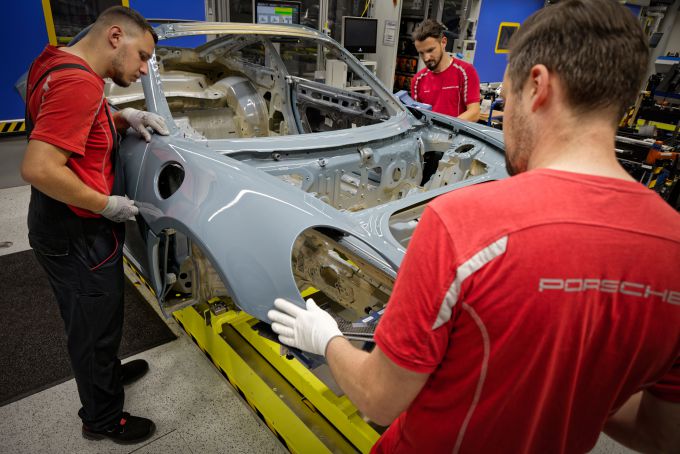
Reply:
x=348, y=365
x=65, y=186
x=377, y=386
x=44, y=167
x=622, y=425
x=119, y=122
x=646, y=424
x=471, y=114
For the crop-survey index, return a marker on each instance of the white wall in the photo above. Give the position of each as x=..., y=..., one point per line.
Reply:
x=673, y=44
x=670, y=41
x=386, y=56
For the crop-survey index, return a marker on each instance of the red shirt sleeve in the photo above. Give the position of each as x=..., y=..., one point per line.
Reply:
x=405, y=333
x=668, y=388
x=472, y=94
x=66, y=110
x=413, y=85
x=416, y=81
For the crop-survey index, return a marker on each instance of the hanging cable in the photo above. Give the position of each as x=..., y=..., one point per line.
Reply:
x=368, y=3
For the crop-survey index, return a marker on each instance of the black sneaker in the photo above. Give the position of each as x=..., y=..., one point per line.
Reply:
x=133, y=371
x=129, y=430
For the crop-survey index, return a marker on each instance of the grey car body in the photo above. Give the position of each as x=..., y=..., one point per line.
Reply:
x=276, y=179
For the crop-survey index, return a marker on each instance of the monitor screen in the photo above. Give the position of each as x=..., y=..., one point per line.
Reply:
x=273, y=12
x=505, y=32
x=359, y=34
x=450, y=40
x=68, y=19
x=654, y=39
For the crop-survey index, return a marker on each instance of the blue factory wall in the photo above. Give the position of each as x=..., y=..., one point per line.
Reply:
x=173, y=9
x=635, y=9
x=25, y=35
x=490, y=65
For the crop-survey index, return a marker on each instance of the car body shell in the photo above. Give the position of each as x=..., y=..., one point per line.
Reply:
x=224, y=216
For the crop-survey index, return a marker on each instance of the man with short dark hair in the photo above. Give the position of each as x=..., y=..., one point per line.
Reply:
x=76, y=214
x=530, y=314
x=449, y=85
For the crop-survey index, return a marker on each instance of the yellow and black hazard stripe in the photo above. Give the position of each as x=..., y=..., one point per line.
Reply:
x=12, y=127
x=141, y=279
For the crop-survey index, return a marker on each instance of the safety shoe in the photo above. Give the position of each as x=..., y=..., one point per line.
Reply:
x=133, y=371
x=129, y=430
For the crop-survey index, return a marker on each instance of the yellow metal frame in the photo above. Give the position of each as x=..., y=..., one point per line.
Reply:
x=336, y=414
x=340, y=411
x=284, y=422
x=49, y=22
x=498, y=38
x=257, y=393
x=659, y=125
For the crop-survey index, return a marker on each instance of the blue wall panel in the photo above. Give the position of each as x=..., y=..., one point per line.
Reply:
x=489, y=64
x=635, y=9
x=25, y=35
x=173, y=9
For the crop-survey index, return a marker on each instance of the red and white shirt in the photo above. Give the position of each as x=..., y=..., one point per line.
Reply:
x=538, y=305
x=69, y=111
x=450, y=91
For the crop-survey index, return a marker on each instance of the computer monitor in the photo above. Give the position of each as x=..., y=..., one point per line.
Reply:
x=359, y=34
x=450, y=40
x=505, y=32
x=654, y=39
x=277, y=12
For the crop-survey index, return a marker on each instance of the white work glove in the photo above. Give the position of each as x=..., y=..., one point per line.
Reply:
x=310, y=330
x=139, y=120
x=119, y=209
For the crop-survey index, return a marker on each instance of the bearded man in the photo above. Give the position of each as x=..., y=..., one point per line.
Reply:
x=449, y=85
x=76, y=215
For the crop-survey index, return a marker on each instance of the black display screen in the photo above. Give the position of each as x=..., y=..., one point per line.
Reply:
x=654, y=39
x=359, y=34
x=71, y=17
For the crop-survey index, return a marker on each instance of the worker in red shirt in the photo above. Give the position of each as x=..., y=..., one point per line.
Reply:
x=449, y=85
x=531, y=313
x=77, y=209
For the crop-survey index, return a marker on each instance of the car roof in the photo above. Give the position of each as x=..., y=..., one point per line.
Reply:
x=174, y=30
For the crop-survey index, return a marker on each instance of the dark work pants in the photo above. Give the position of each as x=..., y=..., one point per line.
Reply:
x=84, y=263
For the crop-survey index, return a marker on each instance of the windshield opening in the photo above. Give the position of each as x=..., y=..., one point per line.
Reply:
x=261, y=86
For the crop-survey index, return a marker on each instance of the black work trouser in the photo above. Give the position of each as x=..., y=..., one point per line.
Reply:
x=84, y=263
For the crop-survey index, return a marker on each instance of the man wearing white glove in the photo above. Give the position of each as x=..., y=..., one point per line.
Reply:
x=376, y=385
x=140, y=120
x=527, y=321
x=310, y=330
x=119, y=209
x=76, y=221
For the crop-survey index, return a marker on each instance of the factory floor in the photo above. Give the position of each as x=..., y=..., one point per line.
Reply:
x=194, y=407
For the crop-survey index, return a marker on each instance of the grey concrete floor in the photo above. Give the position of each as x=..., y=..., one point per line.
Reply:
x=193, y=406
x=12, y=152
